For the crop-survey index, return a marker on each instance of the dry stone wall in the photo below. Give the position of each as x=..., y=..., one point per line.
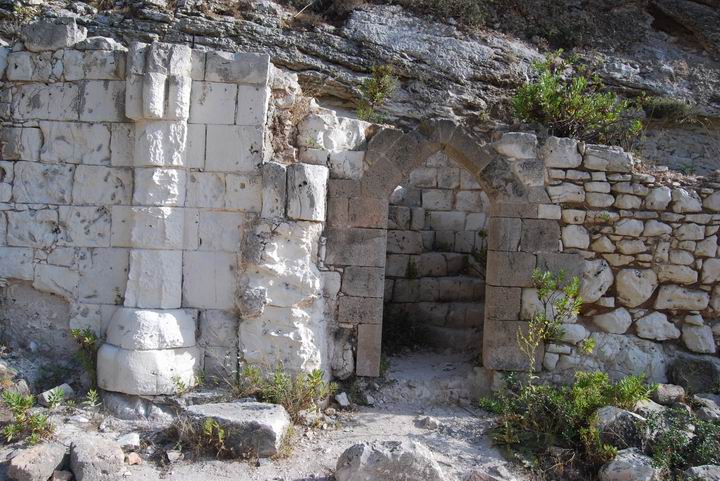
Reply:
x=434, y=273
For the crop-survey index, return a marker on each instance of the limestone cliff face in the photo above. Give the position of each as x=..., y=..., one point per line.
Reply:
x=667, y=48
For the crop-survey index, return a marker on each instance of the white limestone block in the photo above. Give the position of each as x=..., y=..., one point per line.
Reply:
x=615, y=322
x=274, y=190
x=676, y=297
x=43, y=183
x=685, y=201
x=690, y=232
x=629, y=227
x=574, y=333
x=75, y=142
x=27, y=66
x=656, y=228
x=252, y=105
x=517, y=145
x=20, y=143
x=3, y=229
x=160, y=144
x=178, y=97
x=595, y=199
x=699, y=339
x=707, y=247
x=604, y=158
x=205, y=189
x=32, y=228
x=57, y=280
x=221, y=231
x=218, y=328
x=157, y=227
x=5, y=192
x=710, y=271
x=16, y=263
x=656, y=327
x=97, y=185
x=84, y=226
x=52, y=34
x=122, y=144
x=307, y=191
x=39, y=101
x=346, y=164
x=151, y=329
x=635, y=286
x=155, y=279
x=712, y=202
x=195, y=157
x=561, y=153
x=94, y=65
x=103, y=275
x=213, y=103
x=159, y=187
x=209, y=280
x=231, y=148
x=681, y=257
x=245, y=68
x=566, y=192
x=154, y=92
x=147, y=373
x=243, y=192
x=197, y=59
x=596, y=279
x=134, y=96
x=675, y=273
x=103, y=101
x=658, y=198
x=575, y=236
x=121, y=229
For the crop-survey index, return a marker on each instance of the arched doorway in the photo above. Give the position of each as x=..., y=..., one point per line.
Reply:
x=521, y=233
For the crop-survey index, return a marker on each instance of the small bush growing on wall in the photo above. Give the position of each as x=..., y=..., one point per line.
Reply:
x=571, y=102
x=89, y=344
x=375, y=92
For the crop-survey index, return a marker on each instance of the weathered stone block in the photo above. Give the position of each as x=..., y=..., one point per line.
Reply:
x=604, y=158
x=502, y=303
x=103, y=276
x=360, y=310
x=20, y=143
x=243, y=192
x=57, y=280
x=213, y=103
x=221, y=231
x=218, y=328
x=209, y=280
x=195, y=147
x=676, y=297
x=154, y=279
x=307, y=191
x=363, y=281
x=160, y=144
x=358, y=247
x=245, y=68
x=205, y=189
x=73, y=142
x=157, y=227
x=151, y=329
x=566, y=192
x=43, y=183
x=58, y=101
x=146, y=373
x=561, y=152
x=500, y=350
x=102, y=101
x=441, y=220
x=122, y=140
x=540, y=236
x=16, y=263
x=26, y=66
x=52, y=34
x=404, y=242
x=504, y=233
x=635, y=286
x=510, y=269
x=346, y=164
x=159, y=187
x=32, y=228
x=178, y=97
x=233, y=148
x=97, y=185
x=274, y=190
x=368, y=350
x=252, y=105
x=575, y=236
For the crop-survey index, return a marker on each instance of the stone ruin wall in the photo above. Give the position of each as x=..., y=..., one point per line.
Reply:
x=194, y=209
x=435, y=268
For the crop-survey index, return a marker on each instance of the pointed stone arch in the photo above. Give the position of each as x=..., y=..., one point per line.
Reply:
x=519, y=239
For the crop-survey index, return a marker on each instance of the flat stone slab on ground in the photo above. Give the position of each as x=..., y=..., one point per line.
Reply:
x=251, y=428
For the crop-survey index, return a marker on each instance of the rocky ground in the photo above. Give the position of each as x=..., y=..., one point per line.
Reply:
x=425, y=397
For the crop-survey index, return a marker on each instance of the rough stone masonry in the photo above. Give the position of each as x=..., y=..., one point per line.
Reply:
x=196, y=211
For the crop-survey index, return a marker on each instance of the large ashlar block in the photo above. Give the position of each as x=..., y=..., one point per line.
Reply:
x=32, y=228
x=150, y=329
x=221, y=231
x=360, y=310
x=134, y=96
x=57, y=280
x=122, y=141
x=178, y=97
x=52, y=34
x=84, y=226
x=357, y=247
x=502, y=303
x=243, y=192
x=169, y=59
x=232, y=148
x=43, y=183
x=103, y=276
x=195, y=157
x=158, y=227
x=20, y=143
x=245, y=68
x=209, y=280
x=75, y=142
x=500, y=349
x=160, y=144
x=510, y=269
x=213, y=103
x=29, y=67
x=39, y=101
x=154, y=88
x=16, y=263
x=154, y=280
x=94, y=65
x=274, y=190
x=368, y=350
x=252, y=105
x=103, y=101
x=218, y=328
x=97, y=185
x=205, y=189
x=676, y=297
x=147, y=373
x=159, y=187
x=307, y=190
x=363, y=281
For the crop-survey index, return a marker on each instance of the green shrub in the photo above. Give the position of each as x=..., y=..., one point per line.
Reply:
x=576, y=104
x=675, y=446
x=375, y=91
x=89, y=344
x=663, y=108
x=560, y=302
x=24, y=425
x=295, y=393
x=536, y=417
